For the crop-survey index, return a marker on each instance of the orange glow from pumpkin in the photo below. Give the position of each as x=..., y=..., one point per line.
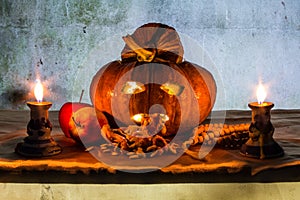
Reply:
x=138, y=118
x=38, y=91
x=141, y=117
x=261, y=94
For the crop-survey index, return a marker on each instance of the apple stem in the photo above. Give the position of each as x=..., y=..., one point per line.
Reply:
x=82, y=91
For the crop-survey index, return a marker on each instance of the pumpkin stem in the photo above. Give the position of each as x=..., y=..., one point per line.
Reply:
x=143, y=55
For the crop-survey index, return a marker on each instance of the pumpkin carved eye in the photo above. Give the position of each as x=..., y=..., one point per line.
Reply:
x=133, y=87
x=172, y=88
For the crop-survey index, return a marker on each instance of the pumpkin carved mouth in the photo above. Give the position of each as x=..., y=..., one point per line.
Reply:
x=155, y=104
x=145, y=119
x=151, y=123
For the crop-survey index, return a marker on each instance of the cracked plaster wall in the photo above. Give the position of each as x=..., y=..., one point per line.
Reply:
x=65, y=42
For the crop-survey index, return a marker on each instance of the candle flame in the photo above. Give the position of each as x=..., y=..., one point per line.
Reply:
x=261, y=94
x=138, y=118
x=38, y=91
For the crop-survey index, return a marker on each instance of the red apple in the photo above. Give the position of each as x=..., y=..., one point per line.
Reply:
x=85, y=127
x=65, y=114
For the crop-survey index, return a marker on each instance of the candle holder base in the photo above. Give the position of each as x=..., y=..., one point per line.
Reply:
x=261, y=144
x=39, y=142
x=38, y=148
x=272, y=150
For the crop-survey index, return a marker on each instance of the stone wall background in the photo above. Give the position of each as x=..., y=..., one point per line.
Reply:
x=65, y=42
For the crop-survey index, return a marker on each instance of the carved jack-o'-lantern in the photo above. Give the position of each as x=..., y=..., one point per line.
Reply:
x=153, y=78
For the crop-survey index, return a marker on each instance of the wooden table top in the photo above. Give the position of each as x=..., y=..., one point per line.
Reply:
x=75, y=165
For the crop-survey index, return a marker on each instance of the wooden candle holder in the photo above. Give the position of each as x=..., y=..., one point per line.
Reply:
x=261, y=143
x=39, y=142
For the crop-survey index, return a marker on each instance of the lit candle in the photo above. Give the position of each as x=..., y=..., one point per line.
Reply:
x=39, y=142
x=39, y=108
x=39, y=91
x=261, y=109
x=261, y=95
x=261, y=143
